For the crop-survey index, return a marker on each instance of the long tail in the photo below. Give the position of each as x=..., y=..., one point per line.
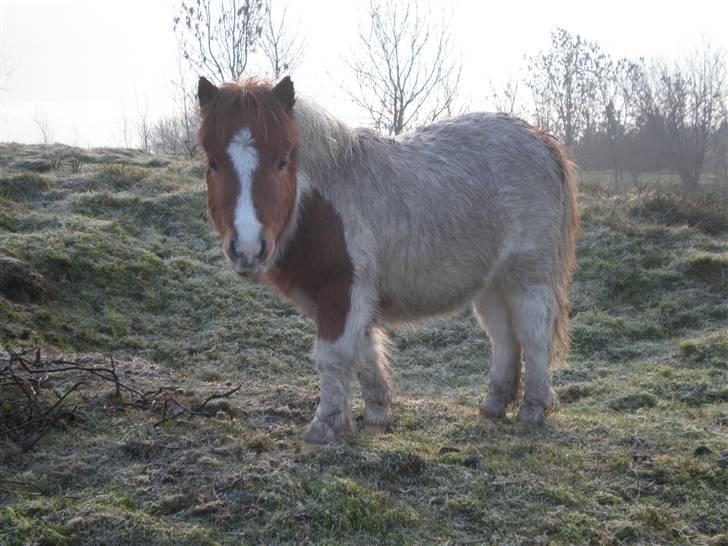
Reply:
x=566, y=264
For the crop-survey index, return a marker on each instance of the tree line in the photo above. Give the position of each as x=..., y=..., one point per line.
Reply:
x=633, y=114
x=617, y=114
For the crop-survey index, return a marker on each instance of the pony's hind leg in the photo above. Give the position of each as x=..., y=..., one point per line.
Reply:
x=532, y=312
x=505, y=369
x=376, y=382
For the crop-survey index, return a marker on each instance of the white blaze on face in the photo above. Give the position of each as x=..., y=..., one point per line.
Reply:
x=244, y=157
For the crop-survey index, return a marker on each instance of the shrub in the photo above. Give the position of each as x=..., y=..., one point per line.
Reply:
x=711, y=269
x=120, y=176
x=19, y=281
x=708, y=217
x=23, y=186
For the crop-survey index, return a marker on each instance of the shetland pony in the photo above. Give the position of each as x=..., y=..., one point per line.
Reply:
x=359, y=230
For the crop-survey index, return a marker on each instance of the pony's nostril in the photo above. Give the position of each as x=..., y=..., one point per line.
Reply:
x=231, y=249
x=261, y=254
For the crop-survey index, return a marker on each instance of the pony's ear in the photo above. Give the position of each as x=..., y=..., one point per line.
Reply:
x=206, y=91
x=284, y=92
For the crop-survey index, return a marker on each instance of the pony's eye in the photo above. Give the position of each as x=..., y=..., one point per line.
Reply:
x=213, y=164
x=282, y=162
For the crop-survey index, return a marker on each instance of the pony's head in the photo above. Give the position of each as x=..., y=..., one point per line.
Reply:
x=248, y=135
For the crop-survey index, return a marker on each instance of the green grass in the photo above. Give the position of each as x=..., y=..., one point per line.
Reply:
x=116, y=257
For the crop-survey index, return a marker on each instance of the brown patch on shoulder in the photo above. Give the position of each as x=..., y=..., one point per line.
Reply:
x=317, y=264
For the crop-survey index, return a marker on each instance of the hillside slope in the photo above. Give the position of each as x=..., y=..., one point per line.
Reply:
x=109, y=252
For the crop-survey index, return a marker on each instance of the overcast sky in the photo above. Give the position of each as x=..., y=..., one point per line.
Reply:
x=84, y=62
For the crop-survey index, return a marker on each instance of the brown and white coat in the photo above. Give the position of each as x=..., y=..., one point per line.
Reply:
x=359, y=230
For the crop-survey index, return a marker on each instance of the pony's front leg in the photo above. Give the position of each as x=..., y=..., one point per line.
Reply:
x=333, y=414
x=335, y=356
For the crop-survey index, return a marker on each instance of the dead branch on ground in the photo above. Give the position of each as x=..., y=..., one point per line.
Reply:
x=36, y=395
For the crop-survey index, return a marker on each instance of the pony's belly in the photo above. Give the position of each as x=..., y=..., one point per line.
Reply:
x=406, y=307
x=414, y=287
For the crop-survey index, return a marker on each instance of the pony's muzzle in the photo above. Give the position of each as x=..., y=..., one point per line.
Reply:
x=247, y=256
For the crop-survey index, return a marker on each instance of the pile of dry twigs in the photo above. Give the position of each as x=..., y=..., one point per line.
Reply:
x=38, y=394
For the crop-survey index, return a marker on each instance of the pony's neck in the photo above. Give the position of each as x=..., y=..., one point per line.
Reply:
x=325, y=143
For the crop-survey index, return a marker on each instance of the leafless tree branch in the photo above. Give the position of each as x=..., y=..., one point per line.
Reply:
x=40, y=118
x=405, y=72
x=143, y=125
x=562, y=80
x=124, y=128
x=176, y=134
x=282, y=48
x=217, y=37
x=683, y=103
x=35, y=393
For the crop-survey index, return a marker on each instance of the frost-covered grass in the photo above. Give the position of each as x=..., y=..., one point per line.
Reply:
x=109, y=252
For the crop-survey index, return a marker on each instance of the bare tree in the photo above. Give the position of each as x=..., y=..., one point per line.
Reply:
x=617, y=84
x=505, y=100
x=217, y=37
x=544, y=109
x=177, y=134
x=405, y=74
x=187, y=110
x=124, y=127
x=166, y=136
x=720, y=152
x=563, y=85
x=682, y=102
x=143, y=125
x=40, y=118
x=281, y=47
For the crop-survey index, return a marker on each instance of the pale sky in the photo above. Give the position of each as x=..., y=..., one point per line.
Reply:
x=84, y=62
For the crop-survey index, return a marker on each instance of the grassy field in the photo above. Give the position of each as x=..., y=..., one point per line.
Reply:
x=108, y=252
x=710, y=184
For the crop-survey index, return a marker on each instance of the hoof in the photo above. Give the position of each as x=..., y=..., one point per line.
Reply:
x=323, y=432
x=493, y=408
x=530, y=413
x=376, y=418
x=319, y=433
x=374, y=429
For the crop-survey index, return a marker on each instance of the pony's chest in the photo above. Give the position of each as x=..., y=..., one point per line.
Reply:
x=315, y=270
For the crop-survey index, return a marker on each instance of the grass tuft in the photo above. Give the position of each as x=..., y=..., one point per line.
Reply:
x=711, y=269
x=633, y=402
x=120, y=176
x=710, y=350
